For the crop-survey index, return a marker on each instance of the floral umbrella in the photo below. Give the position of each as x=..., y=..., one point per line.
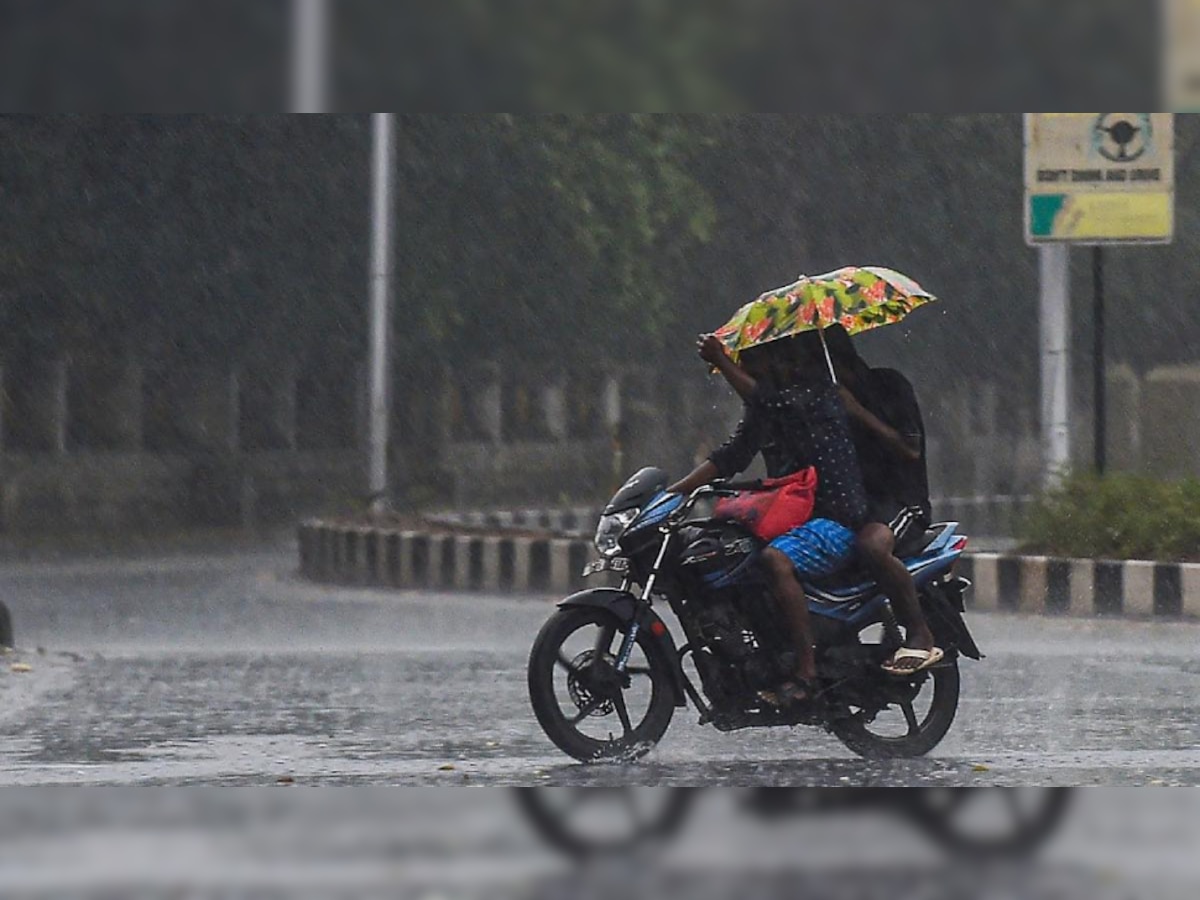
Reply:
x=857, y=298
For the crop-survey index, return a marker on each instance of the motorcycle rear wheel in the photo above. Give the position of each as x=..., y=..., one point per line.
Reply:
x=919, y=729
x=584, y=706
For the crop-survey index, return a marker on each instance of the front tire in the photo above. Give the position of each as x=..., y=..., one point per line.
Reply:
x=908, y=729
x=583, y=704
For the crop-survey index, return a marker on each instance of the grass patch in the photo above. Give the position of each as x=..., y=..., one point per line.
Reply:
x=1116, y=517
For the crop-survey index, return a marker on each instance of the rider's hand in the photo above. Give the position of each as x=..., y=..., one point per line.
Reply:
x=711, y=350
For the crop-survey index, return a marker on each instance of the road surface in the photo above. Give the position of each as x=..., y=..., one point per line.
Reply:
x=231, y=670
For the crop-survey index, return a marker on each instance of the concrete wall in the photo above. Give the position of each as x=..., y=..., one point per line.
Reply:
x=1170, y=421
x=117, y=446
x=117, y=443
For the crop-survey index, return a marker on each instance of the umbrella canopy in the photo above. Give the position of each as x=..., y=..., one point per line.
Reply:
x=858, y=298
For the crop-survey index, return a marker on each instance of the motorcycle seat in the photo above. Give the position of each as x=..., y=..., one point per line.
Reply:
x=916, y=543
x=854, y=581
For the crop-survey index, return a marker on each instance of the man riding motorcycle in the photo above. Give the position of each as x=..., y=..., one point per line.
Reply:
x=796, y=421
x=803, y=418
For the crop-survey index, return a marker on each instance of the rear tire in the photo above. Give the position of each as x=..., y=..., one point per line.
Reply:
x=872, y=742
x=566, y=677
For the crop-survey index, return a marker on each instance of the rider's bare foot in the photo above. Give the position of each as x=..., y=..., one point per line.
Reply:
x=910, y=660
x=920, y=639
x=914, y=655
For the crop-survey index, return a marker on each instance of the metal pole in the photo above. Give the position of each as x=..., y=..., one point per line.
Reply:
x=1098, y=380
x=383, y=158
x=828, y=358
x=310, y=55
x=1056, y=361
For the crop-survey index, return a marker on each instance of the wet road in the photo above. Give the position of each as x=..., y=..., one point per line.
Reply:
x=425, y=844
x=229, y=670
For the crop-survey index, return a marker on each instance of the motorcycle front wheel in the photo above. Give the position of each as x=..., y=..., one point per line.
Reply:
x=919, y=715
x=587, y=708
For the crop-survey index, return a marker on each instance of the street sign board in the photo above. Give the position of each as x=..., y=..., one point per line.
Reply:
x=1099, y=178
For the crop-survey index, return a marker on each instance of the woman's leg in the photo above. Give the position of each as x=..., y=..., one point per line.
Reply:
x=876, y=543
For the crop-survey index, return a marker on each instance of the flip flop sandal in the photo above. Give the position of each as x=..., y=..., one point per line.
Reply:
x=927, y=659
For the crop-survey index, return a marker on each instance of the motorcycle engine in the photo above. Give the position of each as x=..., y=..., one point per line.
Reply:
x=724, y=631
x=724, y=585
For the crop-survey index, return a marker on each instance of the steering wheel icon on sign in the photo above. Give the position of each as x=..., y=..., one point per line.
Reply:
x=1123, y=137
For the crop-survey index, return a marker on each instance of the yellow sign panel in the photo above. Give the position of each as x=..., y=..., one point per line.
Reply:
x=1181, y=55
x=1099, y=177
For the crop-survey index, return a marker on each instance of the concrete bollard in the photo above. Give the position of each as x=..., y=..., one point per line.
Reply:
x=490, y=576
x=1083, y=588
x=560, y=566
x=1031, y=593
x=1138, y=588
x=987, y=582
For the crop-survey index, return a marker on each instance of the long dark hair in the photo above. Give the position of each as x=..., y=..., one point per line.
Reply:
x=806, y=356
x=769, y=360
x=845, y=358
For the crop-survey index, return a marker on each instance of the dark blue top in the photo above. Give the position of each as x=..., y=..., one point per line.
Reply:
x=799, y=426
x=891, y=483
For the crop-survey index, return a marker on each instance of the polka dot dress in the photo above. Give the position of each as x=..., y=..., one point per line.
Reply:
x=804, y=424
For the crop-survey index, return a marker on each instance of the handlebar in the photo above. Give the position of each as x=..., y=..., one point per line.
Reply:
x=719, y=488
x=737, y=487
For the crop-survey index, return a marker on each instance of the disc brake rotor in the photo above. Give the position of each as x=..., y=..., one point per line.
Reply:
x=581, y=687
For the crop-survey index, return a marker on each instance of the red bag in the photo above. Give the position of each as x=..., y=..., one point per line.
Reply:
x=781, y=505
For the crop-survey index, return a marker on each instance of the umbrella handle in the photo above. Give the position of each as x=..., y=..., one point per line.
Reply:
x=828, y=358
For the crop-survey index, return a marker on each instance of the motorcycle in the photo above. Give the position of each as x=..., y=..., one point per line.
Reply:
x=606, y=675
x=972, y=823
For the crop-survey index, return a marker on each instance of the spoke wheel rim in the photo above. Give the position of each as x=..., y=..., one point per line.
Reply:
x=603, y=707
x=906, y=717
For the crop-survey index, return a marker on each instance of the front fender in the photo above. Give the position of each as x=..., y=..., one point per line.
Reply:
x=627, y=609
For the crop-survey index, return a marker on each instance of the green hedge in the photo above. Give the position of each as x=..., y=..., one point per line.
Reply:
x=1117, y=517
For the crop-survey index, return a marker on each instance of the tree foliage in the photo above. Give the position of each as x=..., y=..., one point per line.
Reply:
x=1117, y=517
x=543, y=241
x=543, y=238
x=219, y=238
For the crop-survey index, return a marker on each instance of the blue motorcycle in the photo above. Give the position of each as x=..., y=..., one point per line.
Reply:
x=606, y=674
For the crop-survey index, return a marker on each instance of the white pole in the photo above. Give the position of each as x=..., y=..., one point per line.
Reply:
x=383, y=158
x=1056, y=360
x=310, y=55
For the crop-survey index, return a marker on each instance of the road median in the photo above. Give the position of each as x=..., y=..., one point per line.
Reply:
x=441, y=557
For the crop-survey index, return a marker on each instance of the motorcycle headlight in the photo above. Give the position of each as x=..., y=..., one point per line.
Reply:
x=608, y=535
